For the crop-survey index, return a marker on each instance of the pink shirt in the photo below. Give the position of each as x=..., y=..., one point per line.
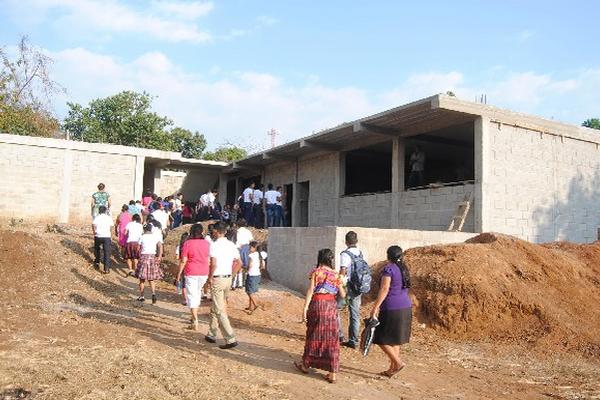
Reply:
x=146, y=200
x=197, y=252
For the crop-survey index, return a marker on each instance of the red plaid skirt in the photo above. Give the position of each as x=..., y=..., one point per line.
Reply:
x=132, y=251
x=322, y=347
x=148, y=269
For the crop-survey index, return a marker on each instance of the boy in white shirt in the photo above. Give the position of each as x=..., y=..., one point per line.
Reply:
x=243, y=239
x=258, y=214
x=101, y=226
x=271, y=198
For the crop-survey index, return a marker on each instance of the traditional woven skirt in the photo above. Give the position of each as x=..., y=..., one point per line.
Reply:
x=132, y=251
x=148, y=268
x=322, y=347
x=394, y=327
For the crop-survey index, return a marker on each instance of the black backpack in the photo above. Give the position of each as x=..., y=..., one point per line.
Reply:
x=360, y=278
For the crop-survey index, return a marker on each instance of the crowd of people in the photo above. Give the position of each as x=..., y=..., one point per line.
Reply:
x=226, y=257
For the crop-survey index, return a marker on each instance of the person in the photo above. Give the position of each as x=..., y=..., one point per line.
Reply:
x=256, y=264
x=248, y=202
x=258, y=200
x=180, y=283
x=279, y=220
x=226, y=214
x=149, y=266
x=417, y=167
x=243, y=237
x=132, y=208
x=271, y=197
x=322, y=347
x=177, y=210
x=393, y=309
x=122, y=220
x=147, y=198
x=99, y=199
x=193, y=265
x=133, y=231
x=235, y=212
x=101, y=226
x=187, y=215
x=224, y=262
x=348, y=260
x=161, y=216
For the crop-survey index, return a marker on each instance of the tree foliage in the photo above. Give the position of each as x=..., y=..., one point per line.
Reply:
x=227, y=153
x=127, y=119
x=592, y=123
x=26, y=90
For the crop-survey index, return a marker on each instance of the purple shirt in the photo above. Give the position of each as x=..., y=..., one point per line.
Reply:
x=397, y=298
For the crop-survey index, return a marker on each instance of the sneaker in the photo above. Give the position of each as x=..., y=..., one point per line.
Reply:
x=153, y=299
x=228, y=346
x=210, y=339
x=141, y=299
x=349, y=344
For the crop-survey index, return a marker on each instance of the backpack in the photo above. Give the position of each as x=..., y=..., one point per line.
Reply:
x=360, y=278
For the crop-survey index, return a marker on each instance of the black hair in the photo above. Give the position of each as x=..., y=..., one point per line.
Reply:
x=258, y=248
x=270, y=186
x=150, y=218
x=101, y=186
x=395, y=255
x=325, y=257
x=136, y=218
x=241, y=222
x=182, y=239
x=196, y=231
x=148, y=228
x=351, y=238
x=102, y=209
x=220, y=227
x=132, y=202
x=125, y=207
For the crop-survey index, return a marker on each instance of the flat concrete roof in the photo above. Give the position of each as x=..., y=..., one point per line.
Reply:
x=425, y=115
x=158, y=158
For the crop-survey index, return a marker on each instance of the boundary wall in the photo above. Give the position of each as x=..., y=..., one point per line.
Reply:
x=293, y=251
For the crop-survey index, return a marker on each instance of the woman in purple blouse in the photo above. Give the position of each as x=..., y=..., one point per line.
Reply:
x=393, y=309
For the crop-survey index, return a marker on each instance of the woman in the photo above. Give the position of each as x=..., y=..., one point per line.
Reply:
x=100, y=198
x=122, y=220
x=393, y=309
x=194, y=264
x=149, y=266
x=133, y=231
x=256, y=264
x=322, y=346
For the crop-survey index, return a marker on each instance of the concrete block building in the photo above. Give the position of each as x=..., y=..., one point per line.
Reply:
x=526, y=176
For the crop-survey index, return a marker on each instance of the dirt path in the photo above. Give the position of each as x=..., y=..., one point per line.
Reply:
x=74, y=333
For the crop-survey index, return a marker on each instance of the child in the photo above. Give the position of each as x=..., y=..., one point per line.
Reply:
x=181, y=282
x=256, y=264
x=149, y=266
x=134, y=231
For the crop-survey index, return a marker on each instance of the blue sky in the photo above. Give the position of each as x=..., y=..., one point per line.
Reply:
x=234, y=69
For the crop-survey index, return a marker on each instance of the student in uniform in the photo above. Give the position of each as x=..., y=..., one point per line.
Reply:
x=248, y=202
x=256, y=264
x=258, y=213
x=271, y=197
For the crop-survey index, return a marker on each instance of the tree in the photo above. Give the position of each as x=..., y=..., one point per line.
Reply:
x=26, y=90
x=592, y=123
x=226, y=153
x=189, y=144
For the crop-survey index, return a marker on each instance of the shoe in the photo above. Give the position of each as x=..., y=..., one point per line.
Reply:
x=228, y=346
x=153, y=299
x=209, y=339
x=349, y=344
x=194, y=325
x=106, y=272
x=141, y=299
x=96, y=265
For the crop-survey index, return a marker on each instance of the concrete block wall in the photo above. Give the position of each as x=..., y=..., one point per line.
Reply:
x=542, y=187
x=169, y=183
x=368, y=210
x=293, y=251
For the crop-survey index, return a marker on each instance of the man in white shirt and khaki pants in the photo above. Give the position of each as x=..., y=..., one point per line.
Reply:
x=224, y=262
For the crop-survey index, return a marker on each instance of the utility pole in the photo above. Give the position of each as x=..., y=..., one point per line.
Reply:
x=273, y=133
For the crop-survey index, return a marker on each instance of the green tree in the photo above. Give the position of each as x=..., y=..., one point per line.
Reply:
x=26, y=90
x=189, y=144
x=592, y=123
x=227, y=153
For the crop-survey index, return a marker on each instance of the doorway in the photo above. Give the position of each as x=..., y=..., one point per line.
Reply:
x=303, y=198
x=288, y=201
x=231, y=192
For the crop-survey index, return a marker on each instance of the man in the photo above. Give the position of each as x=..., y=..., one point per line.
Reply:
x=243, y=239
x=247, y=202
x=417, y=166
x=207, y=203
x=161, y=216
x=224, y=262
x=177, y=210
x=101, y=226
x=271, y=197
x=279, y=220
x=258, y=199
x=348, y=260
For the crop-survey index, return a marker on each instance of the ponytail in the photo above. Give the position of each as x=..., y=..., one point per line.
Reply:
x=396, y=256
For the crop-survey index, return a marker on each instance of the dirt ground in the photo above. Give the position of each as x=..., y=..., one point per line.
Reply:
x=69, y=332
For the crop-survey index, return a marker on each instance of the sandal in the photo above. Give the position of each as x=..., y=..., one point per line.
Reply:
x=330, y=379
x=300, y=367
x=391, y=373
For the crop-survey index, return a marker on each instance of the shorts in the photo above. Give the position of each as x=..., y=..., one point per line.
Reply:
x=193, y=289
x=252, y=283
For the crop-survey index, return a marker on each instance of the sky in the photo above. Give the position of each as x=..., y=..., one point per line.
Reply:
x=235, y=69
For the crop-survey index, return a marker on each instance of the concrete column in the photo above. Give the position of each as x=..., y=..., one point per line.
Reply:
x=295, y=202
x=398, y=147
x=222, y=197
x=339, y=178
x=65, y=190
x=138, y=179
x=483, y=167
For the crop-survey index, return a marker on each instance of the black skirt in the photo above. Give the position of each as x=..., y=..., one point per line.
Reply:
x=394, y=327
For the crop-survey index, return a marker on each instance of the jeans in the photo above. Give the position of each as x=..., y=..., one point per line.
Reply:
x=105, y=243
x=278, y=215
x=271, y=215
x=248, y=213
x=354, y=303
x=177, y=218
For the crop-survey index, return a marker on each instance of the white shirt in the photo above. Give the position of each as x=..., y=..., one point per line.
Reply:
x=254, y=269
x=162, y=217
x=248, y=192
x=271, y=196
x=135, y=230
x=258, y=196
x=148, y=244
x=278, y=202
x=244, y=236
x=103, y=223
x=157, y=233
x=177, y=205
x=224, y=252
x=346, y=261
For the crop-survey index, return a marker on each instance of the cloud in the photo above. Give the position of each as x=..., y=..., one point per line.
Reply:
x=524, y=35
x=113, y=16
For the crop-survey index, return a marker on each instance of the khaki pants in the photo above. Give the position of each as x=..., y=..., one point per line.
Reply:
x=218, y=310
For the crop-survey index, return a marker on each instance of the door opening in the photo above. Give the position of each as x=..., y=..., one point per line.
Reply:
x=303, y=198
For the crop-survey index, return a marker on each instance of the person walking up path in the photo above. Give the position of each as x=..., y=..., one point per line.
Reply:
x=133, y=231
x=256, y=264
x=99, y=199
x=248, y=204
x=101, y=226
x=123, y=219
x=149, y=266
x=224, y=262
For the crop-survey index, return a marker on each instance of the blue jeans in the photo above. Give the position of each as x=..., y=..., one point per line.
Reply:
x=354, y=303
x=248, y=213
x=271, y=214
x=278, y=215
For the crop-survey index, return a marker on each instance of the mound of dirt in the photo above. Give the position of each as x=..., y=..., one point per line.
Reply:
x=499, y=287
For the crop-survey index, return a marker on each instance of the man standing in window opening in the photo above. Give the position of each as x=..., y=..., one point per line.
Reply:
x=417, y=167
